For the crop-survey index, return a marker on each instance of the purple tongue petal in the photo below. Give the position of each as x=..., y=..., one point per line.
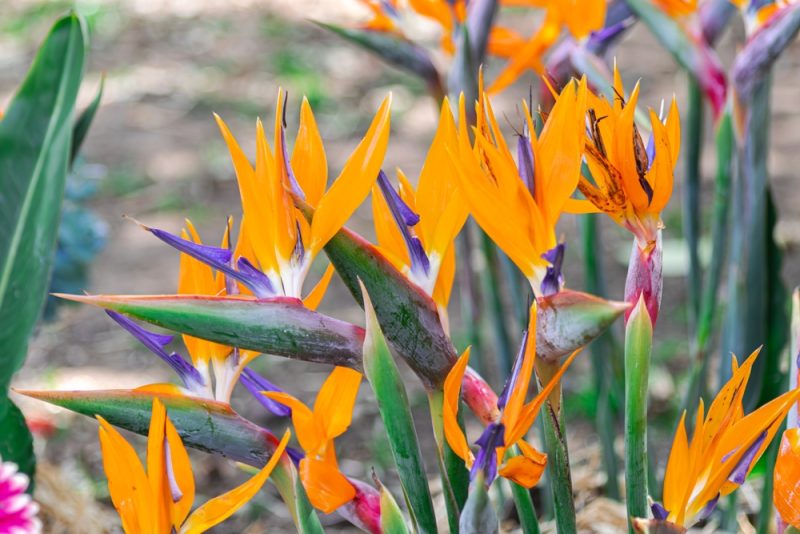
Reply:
x=739, y=472
x=257, y=281
x=708, y=508
x=659, y=512
x=511, y=381
x=255, y=384
x=486, y=459
x=156, y=342
x=651, y=151
x=404, y=217
x=554, y=279
x=400, y=210
x=526, y=162
x=220, y=259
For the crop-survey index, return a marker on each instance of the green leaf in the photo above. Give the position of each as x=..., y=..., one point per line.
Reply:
x=35, y=137
x=81, y=128
x=282, y=326
x=478, y=516
x=390, y=392
x=16, y=444
x=395, y=50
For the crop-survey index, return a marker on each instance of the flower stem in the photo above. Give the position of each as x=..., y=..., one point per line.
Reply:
x=691, y=198
x=455, y=477
x=720, y=231
x=555, y=438
x=638, y=344
x=602, y=354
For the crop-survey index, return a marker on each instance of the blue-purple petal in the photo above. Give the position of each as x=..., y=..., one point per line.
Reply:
x=739, y=472
x=486, y=458
x=554, y=278
x=708, y=508
x=404, y=217
x=659, y=512
x=256, y=280
x=255, y=384
x=527, y=167
x=401, y=211
x=220, y=259
x=190, y=376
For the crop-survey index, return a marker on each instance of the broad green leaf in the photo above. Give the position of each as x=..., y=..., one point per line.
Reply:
x=35, y=140
x=390, y=393
x=16, y=444
x=281, y=326
x=478, y=516
x=84, y=121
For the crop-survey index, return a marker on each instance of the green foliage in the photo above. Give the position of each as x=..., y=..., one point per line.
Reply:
x=35, y=144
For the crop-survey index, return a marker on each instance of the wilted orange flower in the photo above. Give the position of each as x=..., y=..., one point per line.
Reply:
x=631, y=179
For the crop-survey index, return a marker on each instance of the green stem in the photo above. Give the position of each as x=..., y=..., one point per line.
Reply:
x=492, y=289
x=638, y=344
x=470, y=299
x=601, y=355
x=455, y=477
x=523, y=503
x=691, y=197
x=719, y=238
x=555, y=438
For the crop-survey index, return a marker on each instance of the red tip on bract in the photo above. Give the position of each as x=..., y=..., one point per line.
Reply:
x=645, y=279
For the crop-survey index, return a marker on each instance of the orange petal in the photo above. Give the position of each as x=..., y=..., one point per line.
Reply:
x=354, y=183
x=333, y=408
x=306, y=428
x=182, y=473
x=309, y=162
x=517, y=396
x=450, y=402
x=221, y=508
x=156, y=466
x=127, y=482
x=326, y=486
x=786, y=478
x=676, y=476
x=525, y=469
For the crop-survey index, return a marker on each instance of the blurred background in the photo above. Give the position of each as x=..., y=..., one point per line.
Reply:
x=154, y=153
